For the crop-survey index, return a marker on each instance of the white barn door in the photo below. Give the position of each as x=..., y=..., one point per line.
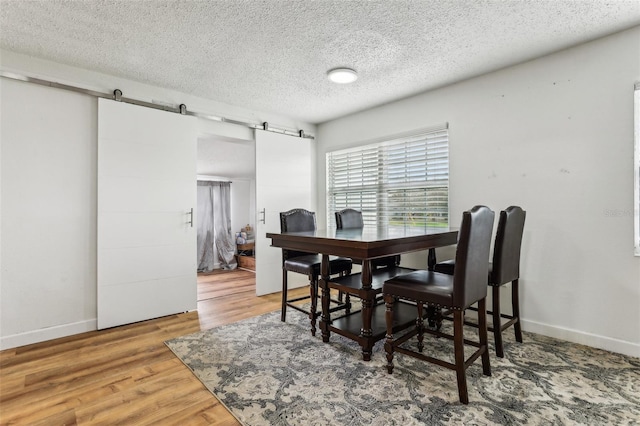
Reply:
x=283, y=182
x=146, y=190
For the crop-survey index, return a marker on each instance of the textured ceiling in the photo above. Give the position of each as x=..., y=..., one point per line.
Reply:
x=273, y=56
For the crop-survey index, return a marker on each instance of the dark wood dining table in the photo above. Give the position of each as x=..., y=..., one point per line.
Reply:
x=366, y=326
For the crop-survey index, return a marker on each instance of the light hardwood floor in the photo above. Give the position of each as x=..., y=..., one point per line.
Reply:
x=126, y=375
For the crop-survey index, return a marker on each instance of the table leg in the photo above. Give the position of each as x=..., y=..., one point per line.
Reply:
x=367, y=312
x=324, y=285
x=366, y=333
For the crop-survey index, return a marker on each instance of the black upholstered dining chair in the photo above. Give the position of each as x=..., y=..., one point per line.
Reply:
x=504, y=269
x=299, y=220
x=352, y=219
x=455, y=292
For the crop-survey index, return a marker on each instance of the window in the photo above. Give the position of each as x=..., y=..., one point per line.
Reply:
x=400, y=182
x=636, y=168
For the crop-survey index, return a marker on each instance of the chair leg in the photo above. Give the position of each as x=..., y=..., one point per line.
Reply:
x=347, y=296
x=482, y=334
x=283, y=314
x=458, y=343
x=388, y=344
x=313, y=290
x=420, y=326
x=497, y=323
x=515, y=303
x=432, y=318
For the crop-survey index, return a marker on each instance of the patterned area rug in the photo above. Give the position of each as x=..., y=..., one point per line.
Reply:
x=271, y=373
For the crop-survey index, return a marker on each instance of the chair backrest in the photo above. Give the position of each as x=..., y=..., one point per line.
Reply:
x=349, y=218
x=352, y=219
x=506, y=251
x=472, y=256
x=296, y=220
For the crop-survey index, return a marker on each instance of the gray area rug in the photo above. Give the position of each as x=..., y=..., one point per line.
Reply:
x=271, y=373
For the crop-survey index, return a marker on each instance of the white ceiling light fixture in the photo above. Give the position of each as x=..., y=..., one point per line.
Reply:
x=342, y=75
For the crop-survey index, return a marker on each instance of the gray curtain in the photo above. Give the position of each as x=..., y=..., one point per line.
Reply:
x=215, y=238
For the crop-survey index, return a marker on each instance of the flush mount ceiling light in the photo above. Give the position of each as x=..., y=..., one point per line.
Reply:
x=342, y=75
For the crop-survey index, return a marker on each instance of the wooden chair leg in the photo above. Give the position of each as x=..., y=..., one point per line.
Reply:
x=482, y=334
x=347, y=298
x=497, y=323
x=313, y=290
x=388, y=344
x=420, y=326
x=283, y=314
x=458, y=343
x=515, y=303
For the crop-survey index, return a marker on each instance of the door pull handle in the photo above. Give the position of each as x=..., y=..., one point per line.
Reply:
x=190, y=213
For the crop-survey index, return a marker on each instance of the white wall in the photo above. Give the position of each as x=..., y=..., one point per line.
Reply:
x=243, y=195
x=48, y=145
x=48, y=222
x=555, y=136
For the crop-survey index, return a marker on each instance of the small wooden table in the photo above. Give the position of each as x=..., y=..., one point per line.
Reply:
x=367, y=326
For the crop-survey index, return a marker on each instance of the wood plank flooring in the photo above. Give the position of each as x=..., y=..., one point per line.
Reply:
x=126, y=375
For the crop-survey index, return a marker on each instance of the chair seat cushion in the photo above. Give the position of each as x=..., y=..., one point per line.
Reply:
x=310, y=264
x=422, y=286
x=445, y=267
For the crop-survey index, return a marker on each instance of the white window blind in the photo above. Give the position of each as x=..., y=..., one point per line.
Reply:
x=401, y=182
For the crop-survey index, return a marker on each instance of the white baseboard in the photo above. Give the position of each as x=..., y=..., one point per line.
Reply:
x=582, y=338
x=49, y=333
